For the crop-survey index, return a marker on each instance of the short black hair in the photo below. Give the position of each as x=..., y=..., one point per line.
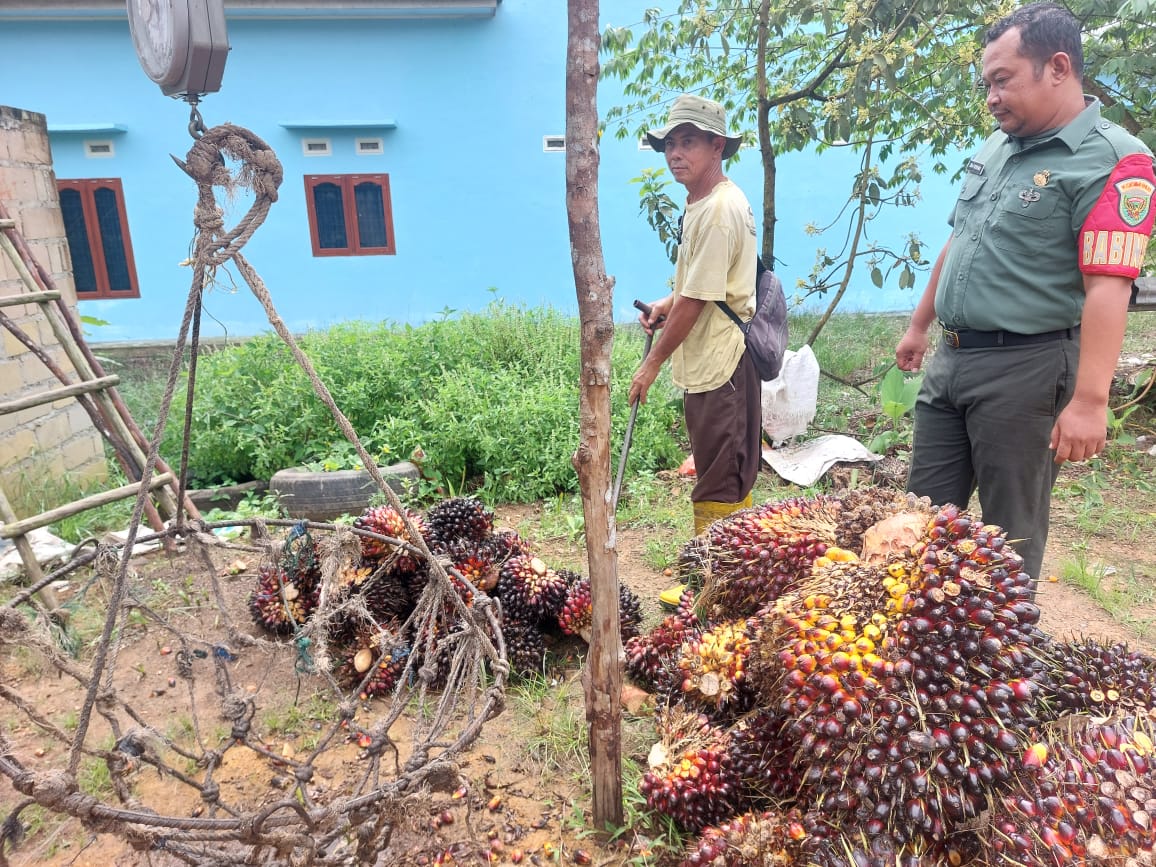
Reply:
x=1045, y=28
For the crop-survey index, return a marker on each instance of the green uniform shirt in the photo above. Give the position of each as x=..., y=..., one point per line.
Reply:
x=1013, y=262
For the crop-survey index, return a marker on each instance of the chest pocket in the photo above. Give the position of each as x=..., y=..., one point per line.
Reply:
x=1030, y=217
x=966, y=207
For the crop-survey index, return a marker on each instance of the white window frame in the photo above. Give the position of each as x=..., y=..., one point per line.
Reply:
x=90, y=144
x=377, y=149
x=325, y=151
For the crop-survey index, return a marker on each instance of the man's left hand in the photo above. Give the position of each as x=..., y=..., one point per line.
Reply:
x=643, y=378
x=1080, y=432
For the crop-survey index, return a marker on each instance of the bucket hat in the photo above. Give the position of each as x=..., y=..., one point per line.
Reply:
x=700, y=112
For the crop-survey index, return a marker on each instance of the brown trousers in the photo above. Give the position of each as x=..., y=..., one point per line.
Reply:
x=725, y=428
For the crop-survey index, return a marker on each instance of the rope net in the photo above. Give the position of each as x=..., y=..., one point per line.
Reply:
x=385, y=608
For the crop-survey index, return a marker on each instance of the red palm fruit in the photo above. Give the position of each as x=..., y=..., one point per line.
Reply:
x=387, y=521
x=691, y=776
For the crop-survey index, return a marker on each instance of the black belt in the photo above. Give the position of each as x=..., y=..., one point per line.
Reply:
x=965, y=338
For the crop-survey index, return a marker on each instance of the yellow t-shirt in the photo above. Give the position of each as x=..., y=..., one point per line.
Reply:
x=716, y=262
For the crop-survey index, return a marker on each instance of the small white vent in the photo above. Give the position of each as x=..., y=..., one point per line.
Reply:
x=555, y=143
x=644, y=144
x=369, y=146
x=99, y=149
x=316, y=147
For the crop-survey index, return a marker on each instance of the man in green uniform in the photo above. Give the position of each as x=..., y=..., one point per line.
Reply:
x=1031, y=290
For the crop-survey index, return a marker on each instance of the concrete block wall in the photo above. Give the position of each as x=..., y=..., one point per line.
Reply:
x=59, y=438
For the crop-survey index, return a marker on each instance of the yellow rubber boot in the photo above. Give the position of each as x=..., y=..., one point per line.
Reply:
x=706, y=512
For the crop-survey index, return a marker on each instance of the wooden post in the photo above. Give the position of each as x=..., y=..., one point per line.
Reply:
x=603, y=676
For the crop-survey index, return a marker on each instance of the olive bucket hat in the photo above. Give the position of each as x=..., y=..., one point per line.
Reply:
x=700, y=112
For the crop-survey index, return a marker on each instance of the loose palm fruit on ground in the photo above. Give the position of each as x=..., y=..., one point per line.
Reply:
x=757, y=554
x=531, y=591
x=651, y=658
x=459, y=518
x=712, y=668
x=282, y=603
x=575, y=617
x=748, y=840
x=1085, y=675
x=387, y=521
x=691, y=777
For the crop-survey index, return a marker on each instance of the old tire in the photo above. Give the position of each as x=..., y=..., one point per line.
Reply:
x=321, y=496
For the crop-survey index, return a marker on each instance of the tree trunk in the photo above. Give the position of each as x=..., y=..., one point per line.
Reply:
x=763, y=116
x=603, y=676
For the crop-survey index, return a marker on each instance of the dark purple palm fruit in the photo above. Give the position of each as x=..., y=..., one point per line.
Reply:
x=757, y=554
x=764, y=758
x=458, y=518
x=576, y=615
x=373, y=660
x=531, y=591
x=525, y=648
x=1088, y=676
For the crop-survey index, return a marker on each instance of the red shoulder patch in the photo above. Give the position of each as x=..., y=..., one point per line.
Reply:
x=1115, y=236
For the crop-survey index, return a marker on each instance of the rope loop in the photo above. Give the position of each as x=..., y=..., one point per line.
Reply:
x=259, y=171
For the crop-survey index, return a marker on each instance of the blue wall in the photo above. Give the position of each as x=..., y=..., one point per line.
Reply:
x=479, y=208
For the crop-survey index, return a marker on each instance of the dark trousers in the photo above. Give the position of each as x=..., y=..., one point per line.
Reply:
x=725, y=429
x=984, y=419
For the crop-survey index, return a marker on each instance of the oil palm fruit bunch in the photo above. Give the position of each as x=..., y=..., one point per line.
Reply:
x=764, y=758
x=374, y=660
x=691, y=777
x=1084, y=795
x=387, y=521
x=475, y=562
x=501, y=545
x=525, y=647
x=859, y=509
x=530, y=590
x=459, y=518
x=766, y=839
x=826, y=845
x=909, y=686
x=388, y=596
x=651, y=658
x=287, y=591
x=1085, y=675
x=757, y=554
x=578, y=609
x=712, y=669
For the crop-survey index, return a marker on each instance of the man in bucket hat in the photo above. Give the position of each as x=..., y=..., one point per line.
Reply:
x=716, y=262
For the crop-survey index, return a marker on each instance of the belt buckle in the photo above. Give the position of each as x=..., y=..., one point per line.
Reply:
x=951, y=338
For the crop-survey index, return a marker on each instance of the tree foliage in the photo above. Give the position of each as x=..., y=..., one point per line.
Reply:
x=897, y=82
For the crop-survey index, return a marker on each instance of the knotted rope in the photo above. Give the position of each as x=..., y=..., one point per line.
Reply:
x=298, y=826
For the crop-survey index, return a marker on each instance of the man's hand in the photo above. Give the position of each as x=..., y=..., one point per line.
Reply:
x=910, y=350
x=1080, y=431
x=643, y=378
x=659, y=310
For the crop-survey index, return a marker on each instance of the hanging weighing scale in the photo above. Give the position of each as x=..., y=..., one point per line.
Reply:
x=181, y=45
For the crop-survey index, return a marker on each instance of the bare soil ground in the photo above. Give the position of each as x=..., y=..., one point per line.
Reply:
x=532, y=802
